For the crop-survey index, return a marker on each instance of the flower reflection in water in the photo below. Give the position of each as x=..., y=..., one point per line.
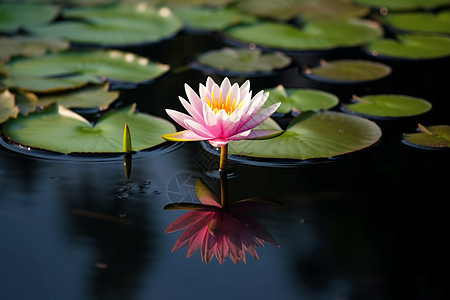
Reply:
x=219, y=229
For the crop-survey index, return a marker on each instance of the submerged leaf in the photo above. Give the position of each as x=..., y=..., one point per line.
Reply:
x=437, y=136
x=76, y=134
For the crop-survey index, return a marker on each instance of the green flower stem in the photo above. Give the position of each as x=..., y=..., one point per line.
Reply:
x=223, y=158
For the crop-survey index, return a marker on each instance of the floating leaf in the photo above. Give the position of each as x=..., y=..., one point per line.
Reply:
x=16, y=16
x=26, y=101
x=115, y=25
x=348, y=71
x=8, y=109
x=312, y=36
x=403, y=4
x=211, y=19
x=76, y=134
x=48, y=85
x=388, y=106
x=30, y=46
x=436, y=137
x=112, y=64
x=300, y=99
x=241, y=61
x=308, y=9
x=419, y=21
x=313, y=135
x=88, y=97
x=410, y=46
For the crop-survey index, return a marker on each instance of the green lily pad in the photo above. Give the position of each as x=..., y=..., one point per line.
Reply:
x=211, y=19
x=347, y=71
x=388, y=106
x=404, y=4
x=313, y=135
x=26, y=101
x=16, y=16
x=434, y=137
x=48, y=84
x=30, y=46
x=111, y=64
x=410, y=46
x=308, y=9
x=8, y=108
x=116, y=25
x=242, y=61
x=88, y=97
x=312, y=36
x=419, y=21
x=300, y=100
x=75, y=134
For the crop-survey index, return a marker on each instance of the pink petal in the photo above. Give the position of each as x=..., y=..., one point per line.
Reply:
x=184, y=136
x=194, y=99
x=218, y=142
x=260, y=117
x=198, y=129
x=190, y=109
x=209, y=83
x=209, y=117
x=186, y=220
x=192, y=230
x=225, y=87
x=178, y=117
x=196, y=241
x=245, y=89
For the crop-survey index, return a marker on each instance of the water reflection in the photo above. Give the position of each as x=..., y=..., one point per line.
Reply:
x=218, y=228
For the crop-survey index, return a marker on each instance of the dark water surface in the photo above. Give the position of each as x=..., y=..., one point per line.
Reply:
x=370, y=225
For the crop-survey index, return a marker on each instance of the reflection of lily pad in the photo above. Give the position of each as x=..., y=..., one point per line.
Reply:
x=419, y=21
x=30, y=46
x=312, y=36
x=87, y=97
x=15, y=16
x=211, y=19
x=76, y=134
x=313, y=135
x=308, y=9
x=403, y=4
x=117, y=25
x=300, y=99
x=435, y=137
x=8, y=108
x=114, y=65
x=241, y=61
x=348, y=71
x=388, y=106
x=411, y=47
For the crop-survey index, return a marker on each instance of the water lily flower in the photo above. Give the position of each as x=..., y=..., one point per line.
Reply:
x=217, y=231
x=220, y=114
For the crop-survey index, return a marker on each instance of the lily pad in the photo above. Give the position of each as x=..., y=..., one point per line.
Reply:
x=388, y=106
x=211, y=19
x=312, y=36
x=88, y=97
x=307, y=9
x=8, y=108
x=115, y=26
x=48, y=84
x=434, y=137
x=300, y=100
x=26, y=101
x=30, y=46
x=16, y=16
x=313, y=135
x=404, y=4
x=419, y=21
x=75, y=134
x=111, y=64
x=408, y=46
x=347, y=71
x=241, y=61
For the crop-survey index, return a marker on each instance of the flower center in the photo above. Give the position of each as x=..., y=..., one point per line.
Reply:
x=217, y=104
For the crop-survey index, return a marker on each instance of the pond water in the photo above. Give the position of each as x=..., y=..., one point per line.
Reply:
x=368, y=225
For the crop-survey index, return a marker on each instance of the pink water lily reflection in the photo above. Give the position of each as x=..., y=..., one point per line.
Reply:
x=220, y=114
x=216, y=231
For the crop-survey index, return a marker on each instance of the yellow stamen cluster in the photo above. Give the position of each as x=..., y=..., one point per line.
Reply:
x=217, y=104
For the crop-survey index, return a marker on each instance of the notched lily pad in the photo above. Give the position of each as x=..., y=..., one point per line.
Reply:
x=387, y=106
x=110, y=64
x=409, y=46
x=430, y=137
x=312, y=135
x=313, y=36
x=75, y=134
x=419, y=22
x=300, y=100
x=347, y=71
x=30, y=46
x=8, y=108
x=16, y=16
x=229, y=62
